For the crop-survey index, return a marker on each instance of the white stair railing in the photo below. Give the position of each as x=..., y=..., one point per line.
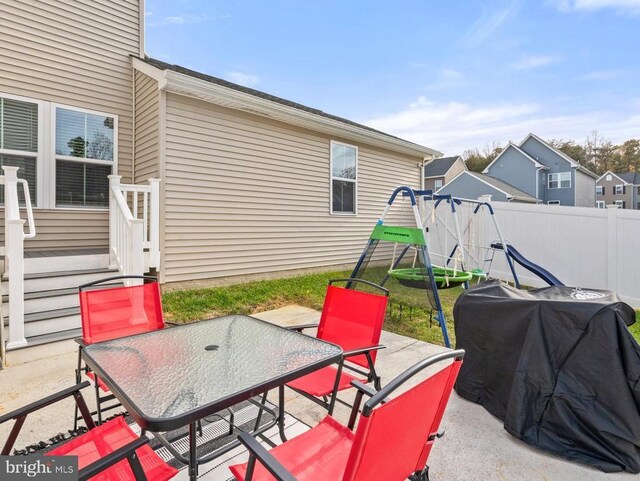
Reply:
x=13, y=252
x=134, y=226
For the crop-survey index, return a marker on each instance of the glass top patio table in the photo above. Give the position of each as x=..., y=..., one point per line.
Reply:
x=170, y=378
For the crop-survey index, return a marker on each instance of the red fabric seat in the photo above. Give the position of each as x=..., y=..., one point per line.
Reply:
x=392, y=441
x=321, y=382
x=112, y=312
x=319, y=454
x=353, y=320
x=107, y=438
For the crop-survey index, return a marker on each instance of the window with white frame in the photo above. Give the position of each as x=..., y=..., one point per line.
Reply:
x=619, y=189
x=85, y=154
x=20, y=144
x=620, y=204
x=437, y=184
x=560, y=180
x=608, y=178
x=344, y=182
x=600, y=204
x=553, y=202
x=599, y=190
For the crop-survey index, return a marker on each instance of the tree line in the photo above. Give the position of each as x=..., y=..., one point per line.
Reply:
x=596, y=153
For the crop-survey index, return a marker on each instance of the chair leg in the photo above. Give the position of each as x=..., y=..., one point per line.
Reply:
x=199, y=427
x=334, y=394
x=78, y=380
x=97, y=390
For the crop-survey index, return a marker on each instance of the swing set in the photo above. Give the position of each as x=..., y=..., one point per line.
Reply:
x=405, y=250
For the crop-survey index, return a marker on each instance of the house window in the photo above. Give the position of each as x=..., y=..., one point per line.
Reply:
x=620, y=204
x=85, y=155
x=20, y=141
x=344, y=174
x=437, y=184
x=600, y=204
x=608, y=178
x=553, y=202
x=599, y=190
x=618, y=190
x=560, y=180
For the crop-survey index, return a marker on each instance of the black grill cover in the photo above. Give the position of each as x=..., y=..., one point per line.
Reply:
x=561, y=371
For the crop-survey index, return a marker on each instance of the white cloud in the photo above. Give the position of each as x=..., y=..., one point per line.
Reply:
x=621, y=6
x=454, y=127
x=246, y=79
x=529, y=62
x=489, y=22
x=446, y=78
x=602, y=75
x=184, y=19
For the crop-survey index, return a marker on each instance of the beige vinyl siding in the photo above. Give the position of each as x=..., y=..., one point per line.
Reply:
x=75, y=53
x=457, y=167
x=248, y=195
x=147, y=103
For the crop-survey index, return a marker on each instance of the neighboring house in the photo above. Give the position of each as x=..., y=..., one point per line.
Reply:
x=251, y=185
x=542, y=172
x=439, y=171
x=620, y=189
x=475, y=185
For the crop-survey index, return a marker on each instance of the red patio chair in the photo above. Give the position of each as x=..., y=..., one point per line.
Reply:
x=353, y=320
x=109, y=452
x=109, y=312
x=392, y=442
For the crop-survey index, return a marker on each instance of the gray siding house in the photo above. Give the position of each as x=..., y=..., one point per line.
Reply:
x=537, y=170
x=474, y=185
x=620, y=189
x=439, y=171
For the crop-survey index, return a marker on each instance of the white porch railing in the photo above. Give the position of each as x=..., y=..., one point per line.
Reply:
x=13, y=251
x=134, y=226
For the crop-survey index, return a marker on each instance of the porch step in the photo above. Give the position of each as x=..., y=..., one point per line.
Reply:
x=72, y=262
x=51, y=304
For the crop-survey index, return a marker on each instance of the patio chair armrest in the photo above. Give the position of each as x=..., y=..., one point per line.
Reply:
x=362, y=350
x=126, y=451
x=302, y=327
x=364, y=389
x=256, y=450
x=44, y=402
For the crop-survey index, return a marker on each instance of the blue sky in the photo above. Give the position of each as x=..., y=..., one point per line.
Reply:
x=450, y=75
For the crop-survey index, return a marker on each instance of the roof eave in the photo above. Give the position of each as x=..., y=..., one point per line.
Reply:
x=186, y=85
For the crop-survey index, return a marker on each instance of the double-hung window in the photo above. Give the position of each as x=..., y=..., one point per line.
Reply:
x=437, y=184
x=600, y=204
x=599, y=190
x=344, y=178
x=20, y=141
x=85, y=154
x=560, y=180
x=619, y=189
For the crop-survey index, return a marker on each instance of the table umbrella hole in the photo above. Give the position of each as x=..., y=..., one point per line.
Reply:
x=211, y=347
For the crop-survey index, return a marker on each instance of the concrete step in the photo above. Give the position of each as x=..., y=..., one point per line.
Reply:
x=50, y=326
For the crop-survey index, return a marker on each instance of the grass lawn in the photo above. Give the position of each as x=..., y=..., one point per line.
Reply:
x=182, y=306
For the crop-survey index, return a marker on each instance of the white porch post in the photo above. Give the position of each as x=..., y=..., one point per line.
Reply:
x=114, y=181
x=154, y=223
x=14, y=258
x=136, y=260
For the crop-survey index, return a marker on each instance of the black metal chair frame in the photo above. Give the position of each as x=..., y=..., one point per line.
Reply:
x=127, y=452
x=328, y=402
x=277, y=470
x=80, y=369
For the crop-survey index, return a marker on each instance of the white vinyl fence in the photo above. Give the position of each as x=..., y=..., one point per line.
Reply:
x=583, y=247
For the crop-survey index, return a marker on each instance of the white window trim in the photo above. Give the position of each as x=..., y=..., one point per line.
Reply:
x=608, y=178
x=553, y=202
x=550, y=176
x=332, y=178
x=600, y=204
x=599, y=190
x=615, y=189
x=436, y=186
x=51, y=187
x=619, y=203
x=41, y=154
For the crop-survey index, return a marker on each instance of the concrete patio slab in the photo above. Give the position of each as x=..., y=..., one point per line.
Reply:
x=475, y=447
